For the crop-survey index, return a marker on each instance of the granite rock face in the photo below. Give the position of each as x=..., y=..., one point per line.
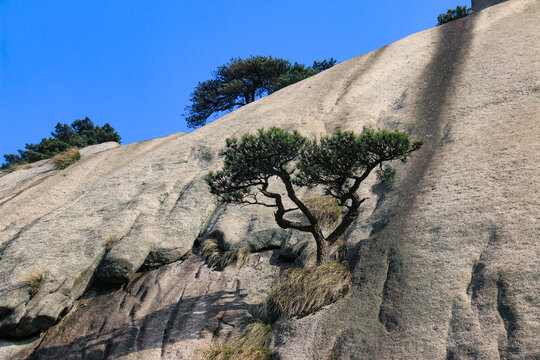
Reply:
x=445, y=262
x=478, y=5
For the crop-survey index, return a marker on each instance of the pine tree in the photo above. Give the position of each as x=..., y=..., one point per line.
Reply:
x=338, y=164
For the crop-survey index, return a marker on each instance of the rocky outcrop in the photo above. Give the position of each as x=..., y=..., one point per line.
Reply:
x=166, y=313
x=443, y=261
x=478, y=5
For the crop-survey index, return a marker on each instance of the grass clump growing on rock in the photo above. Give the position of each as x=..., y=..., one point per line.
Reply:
x=243, y=256
x=251, y=345
x=110, y=241
x=34, y=279
x=66, y=158
x=214, y=256
x=325, y=209
x=13, y=167
x=303, y=291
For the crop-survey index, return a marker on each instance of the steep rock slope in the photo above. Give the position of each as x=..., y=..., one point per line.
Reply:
x=445, y=263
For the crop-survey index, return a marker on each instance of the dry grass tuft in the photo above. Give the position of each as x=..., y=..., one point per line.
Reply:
x=110, y=241
x=243, y=256
x=66, y=158
x=250, y=346
x=303, y=291
x=214, y=256
x=306, y=252
x=337, y=251
x=325, y=209
x=13, y=167
x=34, y=279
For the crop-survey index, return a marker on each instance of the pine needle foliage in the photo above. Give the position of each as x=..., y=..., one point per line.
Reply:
x=80, y=133
x=454, y=14
x=337, y=163
x=242, y=81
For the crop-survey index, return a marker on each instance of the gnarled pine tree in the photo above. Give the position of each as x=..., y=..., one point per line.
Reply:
x=242, y=81
x=338, y=163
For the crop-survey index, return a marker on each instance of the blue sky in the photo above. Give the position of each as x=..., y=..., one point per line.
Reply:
x=134, y=63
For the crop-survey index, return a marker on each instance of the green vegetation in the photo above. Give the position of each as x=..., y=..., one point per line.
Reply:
x=66, y=158
x=386, y=174
x=242, y=81
x=301, y=292
x=454, y=14
x=298, y=293
x=251, y=345
x=79, y=134
x=298, y=72
x=338, y=164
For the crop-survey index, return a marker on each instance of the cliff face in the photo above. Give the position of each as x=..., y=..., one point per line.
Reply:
x=445, y=263
x=478, y=5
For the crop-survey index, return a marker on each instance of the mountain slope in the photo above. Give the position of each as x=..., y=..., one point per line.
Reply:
x=445, y=263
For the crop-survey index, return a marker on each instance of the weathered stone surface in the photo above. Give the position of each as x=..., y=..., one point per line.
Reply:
x=448, y=270
x=445, y=262
x=94, y=149
x=478, y=5
x=14, y=183
x=166, y=313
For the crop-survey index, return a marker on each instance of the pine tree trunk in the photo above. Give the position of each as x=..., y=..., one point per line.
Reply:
x=322, y=246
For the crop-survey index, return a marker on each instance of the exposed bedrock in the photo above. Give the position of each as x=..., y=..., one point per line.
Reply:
x=445, y=261
x=411, y=295
x=166, y=313
x=478, y=5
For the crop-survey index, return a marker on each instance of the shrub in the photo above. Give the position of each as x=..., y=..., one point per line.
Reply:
x=303, y=291
x=66, y=158
x=454, y=14
x=34, y=279
x=251, y=345
x=214, y=256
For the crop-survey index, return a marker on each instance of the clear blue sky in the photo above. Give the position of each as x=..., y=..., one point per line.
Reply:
x=134, y=63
